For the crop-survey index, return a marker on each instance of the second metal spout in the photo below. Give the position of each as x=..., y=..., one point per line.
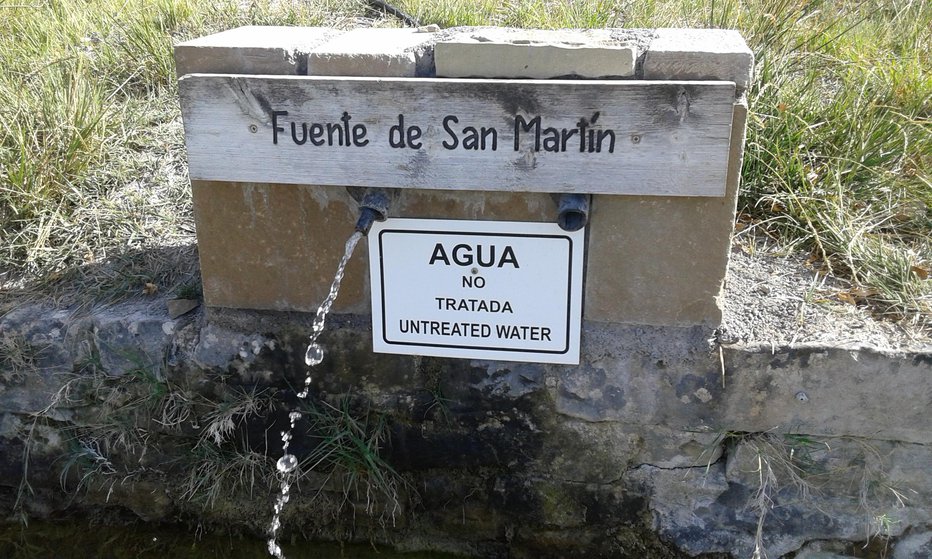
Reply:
x=372, y=207
x=573, y=211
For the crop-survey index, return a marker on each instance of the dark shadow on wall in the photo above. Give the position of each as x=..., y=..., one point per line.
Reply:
x=123, y=276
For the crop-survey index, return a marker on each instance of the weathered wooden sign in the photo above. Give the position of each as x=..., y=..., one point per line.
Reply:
x=508, y=291
x=614, y=137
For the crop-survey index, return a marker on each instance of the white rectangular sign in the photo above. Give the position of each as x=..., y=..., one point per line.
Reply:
x=507, y=291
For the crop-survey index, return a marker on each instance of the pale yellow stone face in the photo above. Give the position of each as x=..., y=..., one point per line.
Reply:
x=662, y=261
x=276, y=247
x=266, y=246
x=370, y=52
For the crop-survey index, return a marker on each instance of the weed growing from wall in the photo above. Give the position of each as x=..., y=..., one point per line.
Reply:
x=347, y=444
x=17, y=359
x=795, y=469
x=142, y=426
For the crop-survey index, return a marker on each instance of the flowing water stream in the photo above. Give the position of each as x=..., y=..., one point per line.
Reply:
x=312, y=357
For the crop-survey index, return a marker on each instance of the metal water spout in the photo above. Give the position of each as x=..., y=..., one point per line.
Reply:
x=573, y=211
x=373, y=206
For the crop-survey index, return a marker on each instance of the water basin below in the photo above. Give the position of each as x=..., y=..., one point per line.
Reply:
x=76, y=540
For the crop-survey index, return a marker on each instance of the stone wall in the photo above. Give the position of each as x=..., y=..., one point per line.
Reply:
x=648, y=448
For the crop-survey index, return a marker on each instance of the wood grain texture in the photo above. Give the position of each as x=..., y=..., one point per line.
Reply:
x=602, y=137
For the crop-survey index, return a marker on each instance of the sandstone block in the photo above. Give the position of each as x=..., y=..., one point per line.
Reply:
x=536, y=54
x=662, y=261
x=276, y=247
x=251, y=50
x=373, y=52
x=178, y=307
x=699, y=54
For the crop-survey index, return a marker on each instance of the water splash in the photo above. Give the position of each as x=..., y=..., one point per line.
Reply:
x=312, y=357
x=314, y=354
x=287, y=463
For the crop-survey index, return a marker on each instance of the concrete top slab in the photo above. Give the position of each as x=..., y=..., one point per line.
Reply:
x=710, y=41
x=699, y=54
x=567, y=38
x=251, y=50
x=534, y=53
x=265, y=36
x=371, y=52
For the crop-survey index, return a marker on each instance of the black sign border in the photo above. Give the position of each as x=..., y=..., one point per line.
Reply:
x=569, y=291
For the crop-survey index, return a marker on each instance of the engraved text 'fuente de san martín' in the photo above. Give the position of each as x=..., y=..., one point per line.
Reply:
x=599, y=137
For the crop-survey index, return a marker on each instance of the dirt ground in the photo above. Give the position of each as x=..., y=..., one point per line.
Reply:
x=781, y=299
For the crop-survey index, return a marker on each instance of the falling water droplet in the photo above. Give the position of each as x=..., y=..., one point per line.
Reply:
x=287, y=463
x=314, y=355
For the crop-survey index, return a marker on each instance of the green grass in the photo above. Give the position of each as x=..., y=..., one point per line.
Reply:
x=119, y=420
x=348, y=444
x=543, y=14
x=840, y=147
x=93, y=186
x=202, y=438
